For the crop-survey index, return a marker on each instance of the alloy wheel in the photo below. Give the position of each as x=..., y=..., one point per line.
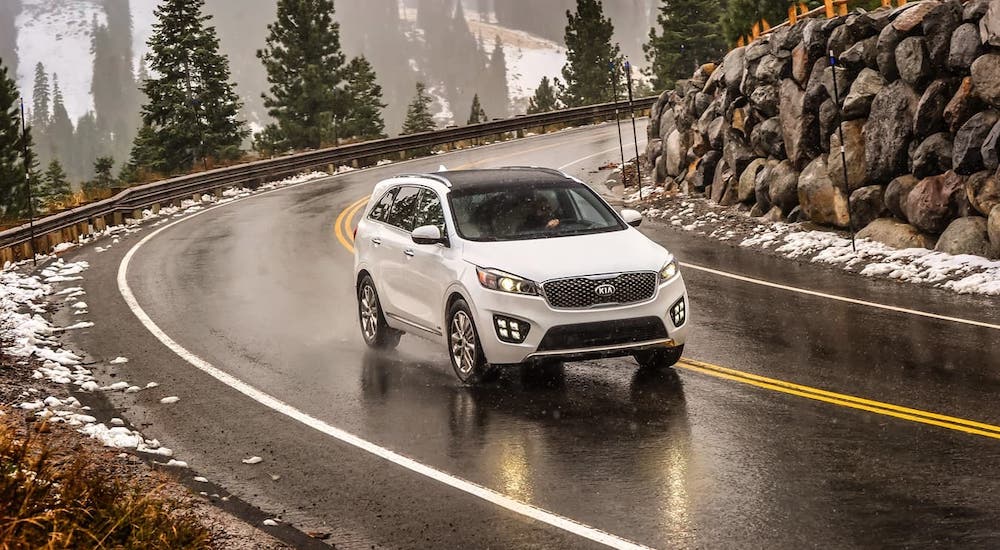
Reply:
x=463, y=343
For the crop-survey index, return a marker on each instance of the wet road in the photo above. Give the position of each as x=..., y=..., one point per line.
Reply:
x=262, y=290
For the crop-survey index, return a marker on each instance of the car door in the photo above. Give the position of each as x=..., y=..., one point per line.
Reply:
x=394, y=263
x=369, y=242
x=429, y=265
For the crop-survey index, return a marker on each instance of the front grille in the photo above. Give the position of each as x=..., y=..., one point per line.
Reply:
x=603, y=333
x=582, y=292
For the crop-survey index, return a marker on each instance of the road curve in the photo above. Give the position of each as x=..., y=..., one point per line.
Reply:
x=261, y=290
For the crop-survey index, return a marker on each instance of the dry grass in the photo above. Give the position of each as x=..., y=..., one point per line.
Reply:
x=55, y=498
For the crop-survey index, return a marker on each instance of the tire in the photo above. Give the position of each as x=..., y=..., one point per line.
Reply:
x=464, y=350
x=374, y=329
x=659, y=358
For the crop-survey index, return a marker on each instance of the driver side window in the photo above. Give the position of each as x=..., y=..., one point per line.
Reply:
x=430, y=211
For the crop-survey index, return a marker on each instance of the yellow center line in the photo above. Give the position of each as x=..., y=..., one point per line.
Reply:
x=849, y=401
x=342, y=227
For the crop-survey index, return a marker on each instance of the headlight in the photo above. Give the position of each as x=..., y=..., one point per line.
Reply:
x=669, y=271
x=505, y=282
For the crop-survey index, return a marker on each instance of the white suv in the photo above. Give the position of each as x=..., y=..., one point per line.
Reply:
x=514, y=265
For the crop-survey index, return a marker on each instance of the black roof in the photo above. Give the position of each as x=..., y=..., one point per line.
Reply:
x=512, y=175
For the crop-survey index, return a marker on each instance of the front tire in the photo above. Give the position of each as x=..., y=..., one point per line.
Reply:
x=374, y=329
x=464, y=350
x=659, y=358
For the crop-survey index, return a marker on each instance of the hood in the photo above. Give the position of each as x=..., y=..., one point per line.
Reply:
x=543, y=259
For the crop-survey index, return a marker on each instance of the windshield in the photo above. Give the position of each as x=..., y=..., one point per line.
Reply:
x=506, y=213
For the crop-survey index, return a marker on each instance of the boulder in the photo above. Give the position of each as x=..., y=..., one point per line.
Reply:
x=723, y=188
x=896, y=193
x=929, y=117
x=816, y=92
x=885, y=55
x=975, y=9
x=766, y=99
x=762, y=186
x=983, y=191
x=661, y=169
x=746, y=192
x=715, y=132
x=734, y=64
x=827, y=123
x=667, y=123
x=654, y=148
x=822, y=201
x=799, y=130
x=989, y=25
x=801, y=65
x=895, y=234
x=783, y=187
x=965, y=48
x=888, y=131
x=913, y=17
x=938, y=25
x=795, y=215
x=843, y=84
x=966, y=236
x=758, y=48
x=867, y=205
x=986, y=78
x=766, y=139
x=772, y=69
x=861, y=55
x=991, y=149
x=913, y=61
x=858, y=102
x=715, y=80
x=934, y=202
x=993, y=227
x=968, y=153
x=705, y=170
x=961, y=106
x=933, y=156
x=786, y=38
x=854, y=152
x=815, y=35
x=701, y=103
x=736, y=151
x=673, y=152
x=700, y=76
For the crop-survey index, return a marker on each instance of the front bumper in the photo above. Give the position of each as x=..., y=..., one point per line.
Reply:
x=631, y=326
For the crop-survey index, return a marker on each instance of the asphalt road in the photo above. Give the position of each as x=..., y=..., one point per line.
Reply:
x=262, y=290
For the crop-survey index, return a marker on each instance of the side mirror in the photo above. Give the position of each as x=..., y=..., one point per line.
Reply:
x=428, y=234
x=632, y=217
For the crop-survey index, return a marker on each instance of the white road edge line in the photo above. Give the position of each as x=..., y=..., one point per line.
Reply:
x=840, y=298
x=527, y=510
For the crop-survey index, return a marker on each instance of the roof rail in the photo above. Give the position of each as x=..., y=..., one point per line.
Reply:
x=552, y=171
x=435, y=177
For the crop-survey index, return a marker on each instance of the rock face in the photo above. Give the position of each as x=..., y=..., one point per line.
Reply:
x=895, y=234
x=968, y=155
x=822, y=201
x=888, y=132
x=933, y=156
x=983, y=191
x=854, y=152
x=966, y=236
x=867, y=205
x=896, y=193
x=934, y=202
x=986, y=78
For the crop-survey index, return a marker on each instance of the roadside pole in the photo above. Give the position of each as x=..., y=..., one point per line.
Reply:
x=614, y=91
x=635, y=133
x=843, y=154
x=27, y=182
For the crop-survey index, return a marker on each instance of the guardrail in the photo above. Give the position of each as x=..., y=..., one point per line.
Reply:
x=68, y=226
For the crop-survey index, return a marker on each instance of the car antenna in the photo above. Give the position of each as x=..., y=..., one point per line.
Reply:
x=442, y=168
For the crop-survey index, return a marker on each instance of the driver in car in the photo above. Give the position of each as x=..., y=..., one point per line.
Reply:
x=539, y=213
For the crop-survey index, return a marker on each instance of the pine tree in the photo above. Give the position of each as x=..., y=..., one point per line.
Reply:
x=117, y=101
x=9, y=10
x=364, y=95
x=13, y=191
x=61, y=129
x=589, y=54
x=88, y=144
x=498, y=98
x=690, y=37
x=305, y=67
x=103, y=166
x=418, y=114
x=56, y=190
x=544, y=99
x=477, y=114
x=40, y=99
x=192, y=107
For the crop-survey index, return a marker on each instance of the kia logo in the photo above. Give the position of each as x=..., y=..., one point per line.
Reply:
x=605, y=290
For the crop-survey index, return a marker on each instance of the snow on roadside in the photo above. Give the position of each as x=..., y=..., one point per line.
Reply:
x=964, y=274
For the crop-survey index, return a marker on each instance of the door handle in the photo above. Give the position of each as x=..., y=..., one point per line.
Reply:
x=408, y=252
x=376, y=241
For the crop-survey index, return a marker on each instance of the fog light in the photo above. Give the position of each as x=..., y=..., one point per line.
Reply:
x=510, y=330
x=678, y=313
